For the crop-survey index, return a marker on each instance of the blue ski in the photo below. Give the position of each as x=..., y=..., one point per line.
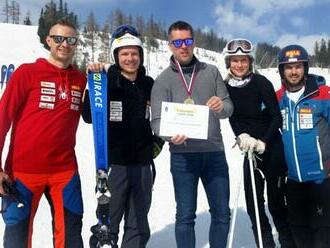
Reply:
x=3, y=75
x=97, y=83
x=10, y=71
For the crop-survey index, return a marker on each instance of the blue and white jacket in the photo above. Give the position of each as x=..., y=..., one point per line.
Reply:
x=306, y=131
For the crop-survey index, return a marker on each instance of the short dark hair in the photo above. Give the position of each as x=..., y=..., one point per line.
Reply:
x=180, y=25
x=64, y=22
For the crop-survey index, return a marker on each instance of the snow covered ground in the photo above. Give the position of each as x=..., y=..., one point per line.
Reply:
x=20, y=44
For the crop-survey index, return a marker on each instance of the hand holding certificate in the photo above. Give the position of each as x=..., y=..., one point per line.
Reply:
x=187, y=119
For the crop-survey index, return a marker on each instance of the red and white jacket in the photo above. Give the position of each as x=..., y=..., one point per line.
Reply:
x=42, y=103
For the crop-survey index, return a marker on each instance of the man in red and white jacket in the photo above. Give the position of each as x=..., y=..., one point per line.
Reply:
x=42, y=105
x=305, y=106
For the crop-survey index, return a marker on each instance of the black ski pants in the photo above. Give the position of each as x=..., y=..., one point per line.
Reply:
x=130, y=188
x=272, y=170
x=309, y=213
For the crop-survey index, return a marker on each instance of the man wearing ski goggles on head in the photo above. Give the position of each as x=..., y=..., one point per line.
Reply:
x=124, y=29
x=130, y=144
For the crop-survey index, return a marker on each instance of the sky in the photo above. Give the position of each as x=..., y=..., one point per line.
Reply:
x=162, y=211
x=278, y=22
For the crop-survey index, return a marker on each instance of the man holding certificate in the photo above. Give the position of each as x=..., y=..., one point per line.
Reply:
x=187, y=101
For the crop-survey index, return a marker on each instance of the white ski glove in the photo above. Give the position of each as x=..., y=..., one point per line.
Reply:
x=260, y=147
x=246, y=143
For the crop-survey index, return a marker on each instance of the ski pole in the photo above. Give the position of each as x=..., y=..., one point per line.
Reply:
x=233, y=221
x=255, y=200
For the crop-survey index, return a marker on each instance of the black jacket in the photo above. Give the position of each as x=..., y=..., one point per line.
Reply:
x=129, y=135
x=256, y=109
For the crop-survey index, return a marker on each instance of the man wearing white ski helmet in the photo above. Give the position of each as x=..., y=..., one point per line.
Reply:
x=123, y=36
x=256, y=121
x=130, y=142
x=304, y=101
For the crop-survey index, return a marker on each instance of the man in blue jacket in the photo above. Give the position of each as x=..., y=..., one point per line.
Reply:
x=305, y=108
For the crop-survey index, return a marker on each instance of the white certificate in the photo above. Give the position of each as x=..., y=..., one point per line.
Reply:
x=186, y=119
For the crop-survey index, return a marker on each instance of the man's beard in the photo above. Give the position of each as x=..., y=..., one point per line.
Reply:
x=295, y=87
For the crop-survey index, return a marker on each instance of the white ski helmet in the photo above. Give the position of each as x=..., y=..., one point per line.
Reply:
x=125, y=40
x=238, y=46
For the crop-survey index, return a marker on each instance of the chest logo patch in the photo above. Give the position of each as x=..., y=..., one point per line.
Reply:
x=305, y=118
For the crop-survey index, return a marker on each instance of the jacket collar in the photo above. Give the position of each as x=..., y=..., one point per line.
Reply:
x=185, y=68
x=311, y=85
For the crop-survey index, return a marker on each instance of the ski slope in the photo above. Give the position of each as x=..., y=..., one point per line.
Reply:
x=20, y=44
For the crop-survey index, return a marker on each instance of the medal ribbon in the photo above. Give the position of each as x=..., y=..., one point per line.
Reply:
x=187, y=87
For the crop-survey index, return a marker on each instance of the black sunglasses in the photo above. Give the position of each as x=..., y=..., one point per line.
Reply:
x=58, y=39
x=179, y=42
x=124, y=29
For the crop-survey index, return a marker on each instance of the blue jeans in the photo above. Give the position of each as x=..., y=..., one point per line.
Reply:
x=212, y=168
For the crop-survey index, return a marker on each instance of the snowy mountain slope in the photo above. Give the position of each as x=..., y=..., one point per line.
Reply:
x=20, y=44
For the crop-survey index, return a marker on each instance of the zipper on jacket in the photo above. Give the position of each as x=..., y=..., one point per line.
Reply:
x=297, y=118
x=292, y=113
x=292, y=122
x=295, y=151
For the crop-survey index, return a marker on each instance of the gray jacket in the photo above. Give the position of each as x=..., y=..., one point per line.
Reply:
x=208, y=82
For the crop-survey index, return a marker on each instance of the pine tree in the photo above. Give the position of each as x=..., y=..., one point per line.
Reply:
x=91, y=32
x=12, y=12
x=50, y=15
x=46, y=20
x=43, y=29
x=105, y=46
x=117, y=18
x=265, y=55
x=328, y=54
x=151, y=33
x=6, y=11
x=323, y=53
x=316, y=53
x=140, y=24
x=27, y=19
x=60, y=10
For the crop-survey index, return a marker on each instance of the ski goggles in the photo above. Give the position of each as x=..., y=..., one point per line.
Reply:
x=124, y=29
x=179, y=42
x=244, y=45
x=58, y=39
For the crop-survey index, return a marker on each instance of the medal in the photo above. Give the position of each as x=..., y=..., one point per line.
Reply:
x=189, y=100
x=188, y=87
